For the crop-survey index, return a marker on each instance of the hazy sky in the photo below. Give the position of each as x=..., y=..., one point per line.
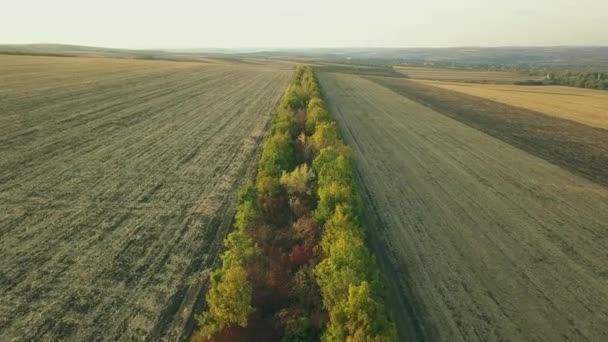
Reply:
x=309, y=23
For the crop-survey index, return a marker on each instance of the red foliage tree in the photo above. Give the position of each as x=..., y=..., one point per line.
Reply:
x=301, y=255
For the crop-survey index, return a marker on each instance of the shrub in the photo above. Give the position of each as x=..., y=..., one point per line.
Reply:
x=529, y=83
x=247, y=193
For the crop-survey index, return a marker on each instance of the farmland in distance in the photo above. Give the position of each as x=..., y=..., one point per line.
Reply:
x=477, y=76
x=580, y=148
x=117, y=186
x=587, y=106
x=486, y=241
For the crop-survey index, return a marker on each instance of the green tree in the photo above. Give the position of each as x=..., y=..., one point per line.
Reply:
x=315, y=102
x=315, y=117
x=361, y=318
x=228, y=300
x=325, y=135
x=278, y=155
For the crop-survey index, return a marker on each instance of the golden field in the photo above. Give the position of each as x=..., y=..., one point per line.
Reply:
x=586, y=106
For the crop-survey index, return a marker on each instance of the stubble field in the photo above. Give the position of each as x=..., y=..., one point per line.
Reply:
x=463, y=75
x=117, y=186
x=575, y=146
x=483, y=240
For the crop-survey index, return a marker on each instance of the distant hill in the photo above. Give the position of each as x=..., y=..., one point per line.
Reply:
x=559, y=56
x=592, y=57
x=73, y=50
x=65, y=50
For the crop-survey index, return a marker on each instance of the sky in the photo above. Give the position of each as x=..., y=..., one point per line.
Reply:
x=141, y=24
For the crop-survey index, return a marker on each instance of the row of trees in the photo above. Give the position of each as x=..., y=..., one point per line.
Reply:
x=296, y=267
x=591, y=80
x=265, y=288
x=349, y=280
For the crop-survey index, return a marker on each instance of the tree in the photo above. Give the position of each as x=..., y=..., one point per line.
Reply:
x=278, y=155
x=246, y=215
x=326, y=135
x=298, y=182
x=284, y=122
x=350, y=284
x=314, y=103
x=228, y=299
x=315, y=117
x=361, y=318
x=328, y=155
x=295, y=98
x=331, y=194
x=334, y=169
x=270, y=197
x=307, y=230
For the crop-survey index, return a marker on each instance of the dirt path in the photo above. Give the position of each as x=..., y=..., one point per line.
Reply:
x=117, y=187
x=484, y=241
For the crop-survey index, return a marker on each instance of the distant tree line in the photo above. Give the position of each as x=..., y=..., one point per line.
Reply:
x=577, y=77
x=296, y=267
x=591, y=80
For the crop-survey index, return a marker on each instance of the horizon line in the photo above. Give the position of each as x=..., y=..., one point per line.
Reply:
x=279, y=48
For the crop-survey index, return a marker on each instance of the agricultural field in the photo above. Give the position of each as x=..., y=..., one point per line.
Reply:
x=577, y=147
x=463, y=75
x=359, y=70
x=117, y=186
x=486, y=239
x=586, y=106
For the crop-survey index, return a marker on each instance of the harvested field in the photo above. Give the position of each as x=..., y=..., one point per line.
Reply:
x=485, y=241
x=463, y=75
x=577, y=147
x=117, y=186
x=360, y=70
x=586, y=106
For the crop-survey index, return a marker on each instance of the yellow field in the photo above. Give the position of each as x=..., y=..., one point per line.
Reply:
x=582, y=105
